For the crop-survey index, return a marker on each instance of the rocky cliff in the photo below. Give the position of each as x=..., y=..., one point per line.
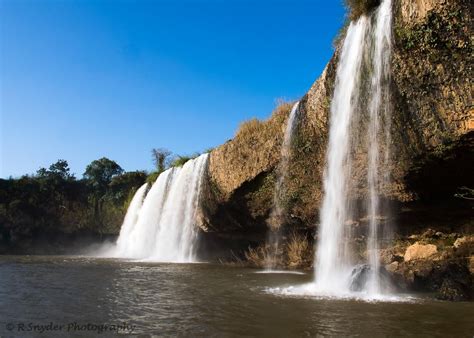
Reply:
x=432, y=145
x=433, y=120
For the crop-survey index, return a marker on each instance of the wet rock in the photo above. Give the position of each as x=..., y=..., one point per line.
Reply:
x=361, y=274
x=359, y=277
x=454, y=280
x=420, y=251
x=452, y=291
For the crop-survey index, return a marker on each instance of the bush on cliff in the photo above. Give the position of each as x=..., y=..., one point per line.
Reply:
x=358, y=8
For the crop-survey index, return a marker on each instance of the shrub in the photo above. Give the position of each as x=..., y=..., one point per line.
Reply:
x=358, y=8
x=262, y=256
x=298, y=250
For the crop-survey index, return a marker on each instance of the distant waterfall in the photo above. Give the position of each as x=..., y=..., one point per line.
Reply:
x=132, y=214
x=278, y=211
x=367, y=38
x=165, y=228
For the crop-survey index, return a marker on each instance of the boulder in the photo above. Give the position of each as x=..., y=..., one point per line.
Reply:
x=420, y=251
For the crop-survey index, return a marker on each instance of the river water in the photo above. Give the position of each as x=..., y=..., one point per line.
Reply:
x=39, y=293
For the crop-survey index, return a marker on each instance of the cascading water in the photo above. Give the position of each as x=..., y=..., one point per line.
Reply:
x=132, y=214
x=332, y=257
x=278, y=211
x=165, y=228
x=379, y=105
x=334, y=263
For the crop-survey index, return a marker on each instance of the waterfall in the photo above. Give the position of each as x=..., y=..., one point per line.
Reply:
x=379, y=105
x=278, y=211
x=331, y=264
x=334, y=261
x=165, y=228
x=131, y=216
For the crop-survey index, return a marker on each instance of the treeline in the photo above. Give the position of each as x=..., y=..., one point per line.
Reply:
x=53, y=201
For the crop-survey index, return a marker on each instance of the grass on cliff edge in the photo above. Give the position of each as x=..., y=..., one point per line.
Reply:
x=251, y=128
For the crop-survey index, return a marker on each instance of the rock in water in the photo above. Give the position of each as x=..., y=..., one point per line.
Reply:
x=359, y=277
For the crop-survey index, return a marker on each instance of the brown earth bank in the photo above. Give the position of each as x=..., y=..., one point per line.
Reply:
x=432, y=161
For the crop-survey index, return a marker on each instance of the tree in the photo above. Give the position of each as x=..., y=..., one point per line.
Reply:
x=99, y=173
x=160, y=158
x=58, y=170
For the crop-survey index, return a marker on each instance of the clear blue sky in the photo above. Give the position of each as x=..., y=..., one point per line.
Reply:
x=85, y=79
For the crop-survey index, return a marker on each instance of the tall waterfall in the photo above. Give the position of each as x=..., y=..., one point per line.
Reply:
x=165, y=227
x=367, y=42
x=379, y=108
x=278, y=211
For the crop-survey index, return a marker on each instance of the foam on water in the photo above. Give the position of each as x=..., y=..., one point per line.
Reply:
x=312, y=290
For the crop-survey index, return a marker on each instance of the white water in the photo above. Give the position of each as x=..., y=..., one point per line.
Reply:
x=277, y=215
x=379, y=105
x=311, y=290
x=334, y=260
x=333, y=266
x=165, y=228
x=131, y=216
x=282, y=170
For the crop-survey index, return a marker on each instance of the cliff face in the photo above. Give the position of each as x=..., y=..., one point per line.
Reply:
x=432, y=131
x=432, y=74
x=242, y=172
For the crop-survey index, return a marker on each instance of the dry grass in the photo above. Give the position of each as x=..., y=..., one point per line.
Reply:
x=262, y=256
x=298, y=250
x=249, y=127
x=255, y=127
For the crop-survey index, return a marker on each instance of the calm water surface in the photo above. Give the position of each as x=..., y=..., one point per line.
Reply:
x=199, y=300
